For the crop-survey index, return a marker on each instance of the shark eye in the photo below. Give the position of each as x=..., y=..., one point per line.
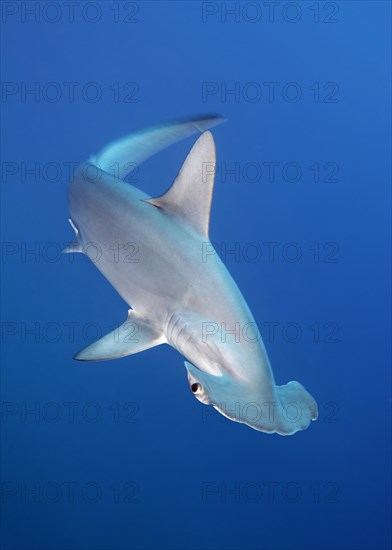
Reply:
x=196, y=387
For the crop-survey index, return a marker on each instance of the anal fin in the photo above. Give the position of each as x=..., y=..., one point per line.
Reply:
x=75, y=246
x=133, y=336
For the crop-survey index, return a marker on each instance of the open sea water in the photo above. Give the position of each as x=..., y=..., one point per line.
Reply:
x=119, y=455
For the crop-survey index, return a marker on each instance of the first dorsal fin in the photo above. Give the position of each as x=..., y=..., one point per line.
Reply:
x=190, y=195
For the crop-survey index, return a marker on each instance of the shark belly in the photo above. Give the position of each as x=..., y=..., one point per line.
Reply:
x=214, y=328
x=135, y=246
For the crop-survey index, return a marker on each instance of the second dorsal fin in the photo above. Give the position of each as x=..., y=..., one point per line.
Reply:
x=190, y=195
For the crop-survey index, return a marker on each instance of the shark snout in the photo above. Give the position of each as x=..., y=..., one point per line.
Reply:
x=288, y=409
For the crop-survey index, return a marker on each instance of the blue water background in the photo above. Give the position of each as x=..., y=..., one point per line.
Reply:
x=150, y=466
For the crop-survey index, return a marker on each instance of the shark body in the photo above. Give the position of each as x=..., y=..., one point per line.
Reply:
x=152, y=252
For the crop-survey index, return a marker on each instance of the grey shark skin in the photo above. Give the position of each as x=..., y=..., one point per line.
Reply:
x=151, y=251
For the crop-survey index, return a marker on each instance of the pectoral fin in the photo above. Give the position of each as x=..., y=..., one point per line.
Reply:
x=135, y=335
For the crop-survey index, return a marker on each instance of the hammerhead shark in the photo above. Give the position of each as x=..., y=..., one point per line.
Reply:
x=152, y=251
